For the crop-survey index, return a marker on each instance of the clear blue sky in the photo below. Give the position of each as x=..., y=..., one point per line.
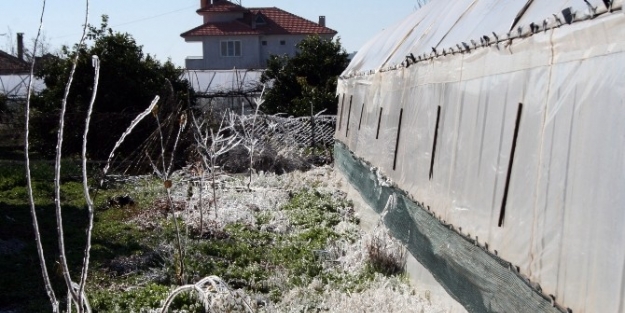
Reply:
x=157, y=24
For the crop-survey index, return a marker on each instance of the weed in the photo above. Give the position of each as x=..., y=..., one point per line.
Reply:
x=385, y=255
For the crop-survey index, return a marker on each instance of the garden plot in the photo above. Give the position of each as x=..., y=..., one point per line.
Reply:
x=289, y=243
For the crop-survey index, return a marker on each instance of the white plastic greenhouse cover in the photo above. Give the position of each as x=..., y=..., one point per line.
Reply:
x=16, y=86
x=215, y=81
x=553, y=70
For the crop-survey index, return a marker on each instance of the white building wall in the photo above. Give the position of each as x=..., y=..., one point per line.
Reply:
x=254, y=53
x=275, y=47
x=213, y=59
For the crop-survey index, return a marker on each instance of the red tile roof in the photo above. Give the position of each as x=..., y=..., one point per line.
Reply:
x=12, y=65
x=222, y=6
x=278, y=22
x=222, y=29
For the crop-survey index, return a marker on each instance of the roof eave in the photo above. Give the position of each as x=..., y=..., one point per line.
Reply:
x=192, y=38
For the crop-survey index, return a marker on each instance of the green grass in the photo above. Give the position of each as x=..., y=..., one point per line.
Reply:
x=249, y=255
x=245, y=256
x=21, y=283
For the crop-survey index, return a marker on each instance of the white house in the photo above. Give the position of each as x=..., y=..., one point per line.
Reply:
x=233, y=36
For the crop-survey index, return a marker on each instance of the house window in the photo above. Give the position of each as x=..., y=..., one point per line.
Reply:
x=231, y=48
x=264, y=42
x=282, y=42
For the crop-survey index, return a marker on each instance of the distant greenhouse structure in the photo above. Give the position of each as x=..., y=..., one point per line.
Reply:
x=13, y=92
x=15, y=86
x=225, y=89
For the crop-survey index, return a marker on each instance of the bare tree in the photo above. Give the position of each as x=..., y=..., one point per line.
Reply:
x=75, y=291
x=165, y=176
x=248, y=135
x=85, y=184
x=212, y=144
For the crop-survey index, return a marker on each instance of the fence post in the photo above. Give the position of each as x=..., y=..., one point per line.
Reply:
x=312, y=123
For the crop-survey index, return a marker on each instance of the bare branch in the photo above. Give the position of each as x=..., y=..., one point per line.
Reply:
x=183, y=124
x=220, y=143
x=252, y=141
x=215, y=286
x=57, y=168
x=85, y=262
x=33, y=212
x=129, y=130
x=160, y=132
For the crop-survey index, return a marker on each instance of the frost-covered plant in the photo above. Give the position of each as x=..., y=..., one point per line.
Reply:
x=42, y=260
x=75, y=290
x=164, y=174
x=341, y=280
x=248, y=132
x=214, y=294
x=381, y=295
x=384, y=254
x=210, y=145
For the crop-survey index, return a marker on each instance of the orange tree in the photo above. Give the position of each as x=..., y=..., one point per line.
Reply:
x=129, y=80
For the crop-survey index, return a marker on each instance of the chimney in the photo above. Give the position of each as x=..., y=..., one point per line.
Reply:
x=322, y=20
x=20, y=46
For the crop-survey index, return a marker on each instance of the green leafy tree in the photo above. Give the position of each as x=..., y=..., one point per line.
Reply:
x=129, y=80
x=308, y=78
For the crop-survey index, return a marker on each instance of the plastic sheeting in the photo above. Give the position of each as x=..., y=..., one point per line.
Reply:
x=16, y=86
x=559, y=197
x=449, y=24
x=223, y=81
x=203, y=82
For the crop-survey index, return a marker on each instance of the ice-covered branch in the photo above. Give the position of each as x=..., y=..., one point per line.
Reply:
x=31, y=201
x=57, y=168
x=85, y=184
x=129, y=130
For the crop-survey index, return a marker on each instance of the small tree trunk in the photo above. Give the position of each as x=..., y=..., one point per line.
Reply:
x=201, y=191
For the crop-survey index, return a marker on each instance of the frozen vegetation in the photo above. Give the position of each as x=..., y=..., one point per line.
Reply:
x=344, y=273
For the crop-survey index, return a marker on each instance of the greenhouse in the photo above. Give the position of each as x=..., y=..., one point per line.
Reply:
x=489, y=137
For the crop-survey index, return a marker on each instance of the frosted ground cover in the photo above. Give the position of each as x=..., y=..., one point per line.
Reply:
x=344, y=258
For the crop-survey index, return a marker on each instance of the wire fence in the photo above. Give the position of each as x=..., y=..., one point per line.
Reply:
x=278, y=140
x=294, y=131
